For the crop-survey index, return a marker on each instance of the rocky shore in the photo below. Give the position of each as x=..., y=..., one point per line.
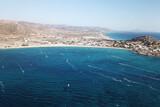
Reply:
x=145, y=45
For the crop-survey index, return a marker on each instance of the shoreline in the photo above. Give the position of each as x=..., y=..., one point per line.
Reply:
x=54, y=46
x=73, y=46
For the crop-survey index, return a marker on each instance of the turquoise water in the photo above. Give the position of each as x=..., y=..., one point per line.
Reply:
x=130, y=35
x=78, y=77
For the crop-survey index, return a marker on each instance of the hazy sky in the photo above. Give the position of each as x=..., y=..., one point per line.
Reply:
x=114, y=14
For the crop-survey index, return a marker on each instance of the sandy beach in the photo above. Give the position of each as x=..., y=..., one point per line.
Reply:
x=59, y=45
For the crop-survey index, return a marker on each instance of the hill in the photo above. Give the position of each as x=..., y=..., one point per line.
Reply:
x=17, y=33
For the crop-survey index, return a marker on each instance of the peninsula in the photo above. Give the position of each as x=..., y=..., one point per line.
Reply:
x=18, y=34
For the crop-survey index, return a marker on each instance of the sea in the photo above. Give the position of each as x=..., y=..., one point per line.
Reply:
x=131, y=35
x=78, y=77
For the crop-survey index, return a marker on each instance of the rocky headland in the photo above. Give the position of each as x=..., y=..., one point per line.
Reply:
x=145, y=45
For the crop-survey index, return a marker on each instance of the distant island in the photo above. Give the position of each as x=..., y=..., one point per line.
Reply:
x=19, y=34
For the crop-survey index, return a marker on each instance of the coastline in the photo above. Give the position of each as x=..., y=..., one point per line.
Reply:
x=59, y=45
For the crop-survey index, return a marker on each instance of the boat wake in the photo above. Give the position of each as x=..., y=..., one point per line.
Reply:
x=102, y=75
x=142, y=84
x=94, y=67
x=20, y=67
x=71, y=65
x=145, y=76
x=130, y=81
x=117, y=57
x=134, y=67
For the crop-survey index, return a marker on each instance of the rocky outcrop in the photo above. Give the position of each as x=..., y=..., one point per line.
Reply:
x=145, y=45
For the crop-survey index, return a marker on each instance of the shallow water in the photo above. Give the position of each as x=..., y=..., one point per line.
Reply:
x=131, y=35
x=78, y=77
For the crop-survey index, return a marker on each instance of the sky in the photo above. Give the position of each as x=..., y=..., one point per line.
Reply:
x=125, y=15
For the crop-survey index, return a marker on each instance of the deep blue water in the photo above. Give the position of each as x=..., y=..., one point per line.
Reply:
x=130, y=35
x=78, y=77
